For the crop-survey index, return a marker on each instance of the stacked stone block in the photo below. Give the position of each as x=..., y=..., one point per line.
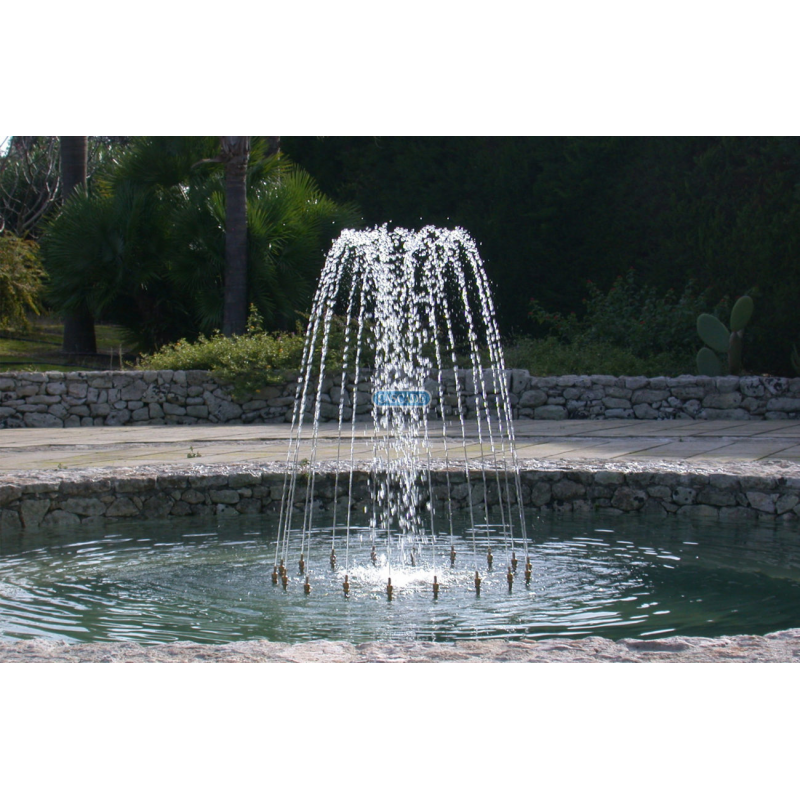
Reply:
x=54, y=498
x=167, y=397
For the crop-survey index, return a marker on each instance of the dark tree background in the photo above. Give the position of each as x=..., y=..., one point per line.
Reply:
x=551, y=212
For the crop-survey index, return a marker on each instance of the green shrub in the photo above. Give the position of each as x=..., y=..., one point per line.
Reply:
x=251, y=361
x=550, y=356
x=642, y=321
x=20, y=282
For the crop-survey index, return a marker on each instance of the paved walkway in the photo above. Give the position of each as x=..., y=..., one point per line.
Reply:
x=571, y=440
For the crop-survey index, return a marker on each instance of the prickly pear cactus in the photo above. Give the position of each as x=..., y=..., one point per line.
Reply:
x=741, y=313
x=708, y=363
x=713, y=333
x=718, y=339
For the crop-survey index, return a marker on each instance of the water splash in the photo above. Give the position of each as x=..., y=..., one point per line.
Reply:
x=409, y=311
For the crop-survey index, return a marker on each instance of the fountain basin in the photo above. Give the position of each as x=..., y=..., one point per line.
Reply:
x=207, y=581
x=50, y=501
x=96, y=501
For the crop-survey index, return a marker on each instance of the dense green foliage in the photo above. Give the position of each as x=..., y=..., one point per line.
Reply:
x=550, y=212
x=552, y=356
x=146, y=248
x=702, y=217
x=635, y=318
x=20, y=282
x=629, y=330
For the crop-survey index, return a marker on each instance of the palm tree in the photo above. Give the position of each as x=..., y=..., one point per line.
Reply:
x=235, y=153
x=147, y=250
x=79, y=335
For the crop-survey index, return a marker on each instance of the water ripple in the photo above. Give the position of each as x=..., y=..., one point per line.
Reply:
x=214, y=586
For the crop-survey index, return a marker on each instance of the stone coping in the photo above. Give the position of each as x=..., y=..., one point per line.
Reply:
x=779, y=647
x=102, y=495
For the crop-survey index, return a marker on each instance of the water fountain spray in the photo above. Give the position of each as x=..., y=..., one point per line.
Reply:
x=403, y=351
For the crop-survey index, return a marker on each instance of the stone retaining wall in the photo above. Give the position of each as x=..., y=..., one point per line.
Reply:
x=684, y=397
x=167, y=397
x=60, y=497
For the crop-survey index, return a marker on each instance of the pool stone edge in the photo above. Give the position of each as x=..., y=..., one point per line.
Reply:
x=35, y=499
x=779, y=647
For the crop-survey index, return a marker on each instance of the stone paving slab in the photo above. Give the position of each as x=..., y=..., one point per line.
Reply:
x=572, y=440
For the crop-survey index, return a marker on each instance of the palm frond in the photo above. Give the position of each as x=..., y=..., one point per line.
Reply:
x=147, y=248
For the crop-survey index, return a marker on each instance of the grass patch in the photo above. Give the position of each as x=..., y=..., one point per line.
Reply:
x=39, y=349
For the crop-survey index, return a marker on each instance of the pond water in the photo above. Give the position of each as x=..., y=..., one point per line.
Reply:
x=209, y=580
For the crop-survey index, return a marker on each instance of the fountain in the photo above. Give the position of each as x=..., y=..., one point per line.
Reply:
x=402, y=512
x=418, y=355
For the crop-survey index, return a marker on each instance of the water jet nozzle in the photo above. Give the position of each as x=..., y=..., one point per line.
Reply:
x=452, y=556
x=274, y=576
x=514, y=561
x=435, y=588
x=281, y=569
x=373, y=555
x=489, y=557
x=389, y=589
x=285, y=581
x=333, y=558
x=510, y=579
x=346, y=586
x=302, y=564
x=528, y=570
x=307, y=586
x=477, y=582
x=413, y=559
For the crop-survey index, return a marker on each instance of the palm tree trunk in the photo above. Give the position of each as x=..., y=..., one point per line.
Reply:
x=274, y=145
x=235, y=154
x=79, y=335
x=73, y=163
